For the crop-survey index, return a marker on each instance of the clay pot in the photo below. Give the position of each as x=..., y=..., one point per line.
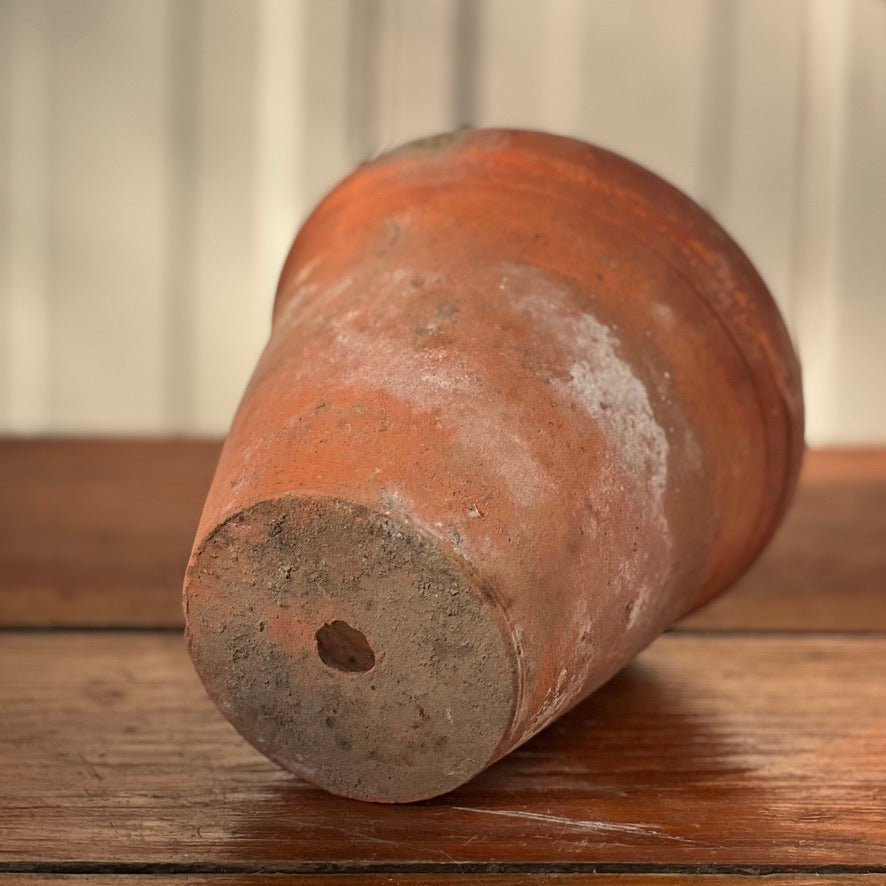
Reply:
x=523, y=406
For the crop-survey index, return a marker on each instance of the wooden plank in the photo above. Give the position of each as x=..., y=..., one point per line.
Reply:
x=98, y=532
x=710, y=750
x=826, y=568
x=400, y=879
x=75, y=551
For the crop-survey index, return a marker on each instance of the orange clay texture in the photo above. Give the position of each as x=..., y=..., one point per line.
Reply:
x=523, y=405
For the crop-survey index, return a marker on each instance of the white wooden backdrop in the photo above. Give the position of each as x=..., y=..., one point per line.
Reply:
x=157, y=157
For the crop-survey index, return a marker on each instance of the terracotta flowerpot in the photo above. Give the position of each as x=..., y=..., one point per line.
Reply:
x=523, y=406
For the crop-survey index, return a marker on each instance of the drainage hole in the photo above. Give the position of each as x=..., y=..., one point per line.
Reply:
x=344, y=648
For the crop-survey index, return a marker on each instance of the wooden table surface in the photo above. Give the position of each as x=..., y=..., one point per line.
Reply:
x=748, y=742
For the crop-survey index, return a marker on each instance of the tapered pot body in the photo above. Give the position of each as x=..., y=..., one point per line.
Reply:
x=523, y=405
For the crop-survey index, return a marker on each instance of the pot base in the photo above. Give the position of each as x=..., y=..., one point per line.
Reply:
x=350, y=648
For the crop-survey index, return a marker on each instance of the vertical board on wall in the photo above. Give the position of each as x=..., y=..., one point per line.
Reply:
x=509, y=63
x=105, y=176
x=626, y=75
x=565, y=84
x=417, y=79
x=376, y=73
x=181, y=79
x=25, y=301
x=7, y=23
x=279, y=112
x=859, y=370
x=758, y=185
x=642, y=78
x=6, y=272
x=230, y=318
x=325, y=47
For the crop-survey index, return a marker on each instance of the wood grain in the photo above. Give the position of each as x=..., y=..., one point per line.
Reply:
x=401, y=879
x=710, y=750
x=97, y=533
x=826, y=568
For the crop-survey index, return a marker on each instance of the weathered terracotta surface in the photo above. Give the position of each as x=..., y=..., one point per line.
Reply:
x=523, y=405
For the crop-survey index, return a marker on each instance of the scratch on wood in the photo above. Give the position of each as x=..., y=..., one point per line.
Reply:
x=578, y=824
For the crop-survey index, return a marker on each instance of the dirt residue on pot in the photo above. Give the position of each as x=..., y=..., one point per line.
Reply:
x=347, y=646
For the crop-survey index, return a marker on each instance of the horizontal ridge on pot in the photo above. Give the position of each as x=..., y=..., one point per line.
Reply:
x=523, y=405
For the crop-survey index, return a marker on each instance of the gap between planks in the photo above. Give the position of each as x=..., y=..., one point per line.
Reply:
x=490, y=874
